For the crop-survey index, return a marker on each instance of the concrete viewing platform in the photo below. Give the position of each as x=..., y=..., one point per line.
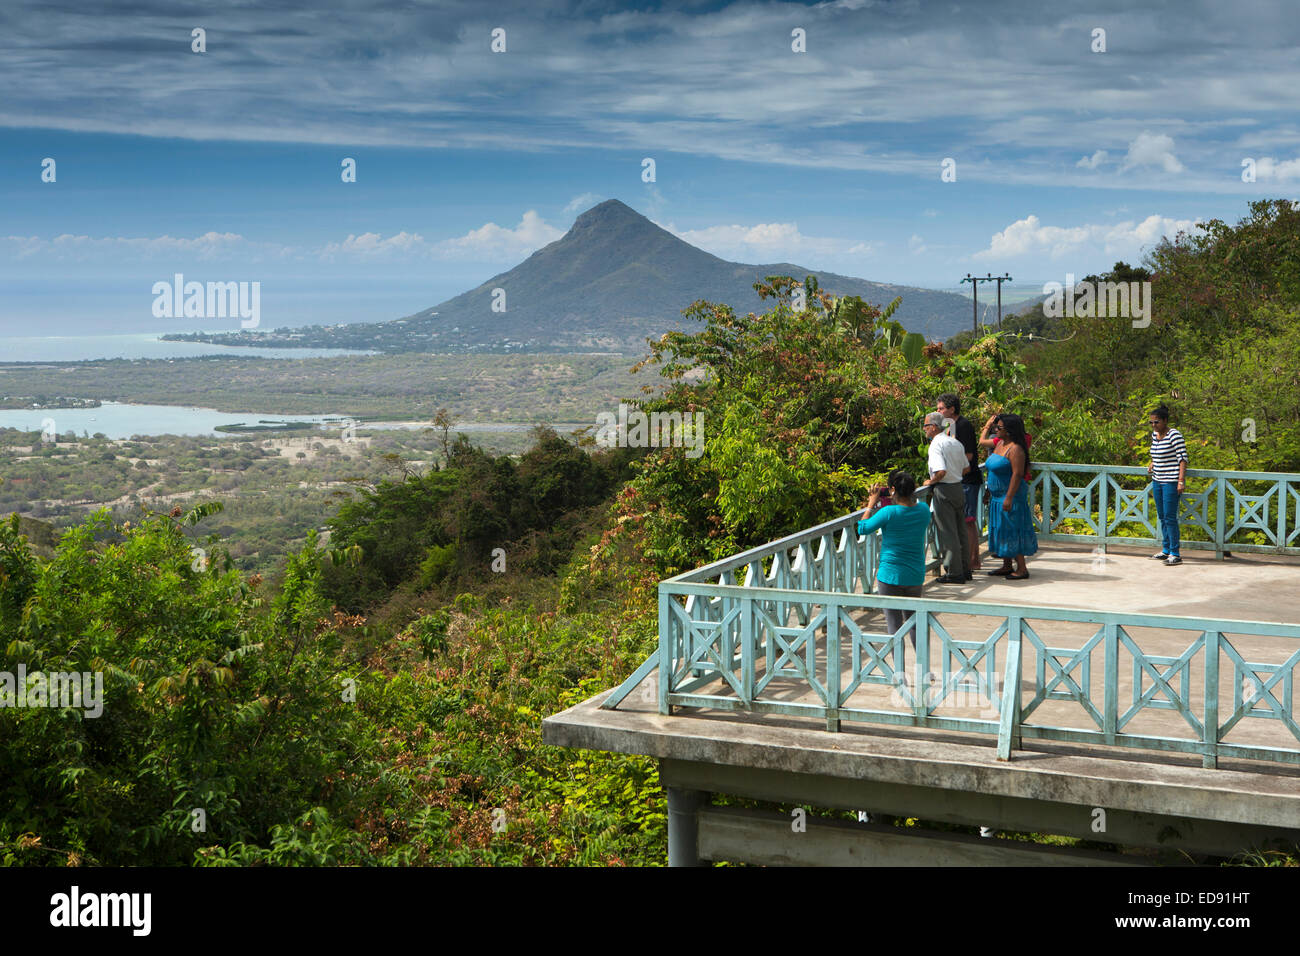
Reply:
x=1109, y=794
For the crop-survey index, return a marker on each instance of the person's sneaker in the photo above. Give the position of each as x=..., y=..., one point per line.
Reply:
x=988, y=832
x=1174, y=559
x=1160, y=557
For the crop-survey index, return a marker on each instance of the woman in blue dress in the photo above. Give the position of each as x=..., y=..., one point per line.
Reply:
x=1011, y=523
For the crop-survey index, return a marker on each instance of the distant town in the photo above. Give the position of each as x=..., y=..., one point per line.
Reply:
x=45, y=401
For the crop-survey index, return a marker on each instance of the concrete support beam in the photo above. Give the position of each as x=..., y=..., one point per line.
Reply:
x=1124, y=827
x=683, y=825
x=765, y=838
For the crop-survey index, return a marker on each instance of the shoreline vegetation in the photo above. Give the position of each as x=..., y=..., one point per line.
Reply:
x=241, y=428
x=406, y=387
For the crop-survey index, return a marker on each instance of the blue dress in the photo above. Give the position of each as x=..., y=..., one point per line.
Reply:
x=1011, y=533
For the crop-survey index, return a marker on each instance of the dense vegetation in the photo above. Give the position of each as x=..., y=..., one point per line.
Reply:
x=381, y=701
x=474, y=519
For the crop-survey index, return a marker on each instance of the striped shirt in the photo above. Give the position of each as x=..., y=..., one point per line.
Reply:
x=1166, y=453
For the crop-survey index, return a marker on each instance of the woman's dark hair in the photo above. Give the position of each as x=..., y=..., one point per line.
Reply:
x=1015, y=427
x=903, y=483
x=1161, y=412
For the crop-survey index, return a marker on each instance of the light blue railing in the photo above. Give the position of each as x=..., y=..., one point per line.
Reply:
x=1219, y=511
x=781, y=611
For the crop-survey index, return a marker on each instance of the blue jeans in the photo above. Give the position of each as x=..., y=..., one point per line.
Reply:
x=1166, y=493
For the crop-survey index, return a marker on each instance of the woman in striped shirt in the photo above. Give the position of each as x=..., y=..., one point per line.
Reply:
x=1168, y=471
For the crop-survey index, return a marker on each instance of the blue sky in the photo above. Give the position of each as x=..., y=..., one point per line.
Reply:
x=225, y=164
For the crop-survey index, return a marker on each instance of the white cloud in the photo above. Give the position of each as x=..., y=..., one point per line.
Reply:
x=581, y=203
x=1092, y=162
x=1029, y=237
x=210, y=245
x=372, y=244
x=916, y=244
x=488, y=243
x=498, y=242
x=767, y=242
x=1151, y=149
x=1280, y=170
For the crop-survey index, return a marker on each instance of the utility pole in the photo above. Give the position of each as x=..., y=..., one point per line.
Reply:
x=974, y=286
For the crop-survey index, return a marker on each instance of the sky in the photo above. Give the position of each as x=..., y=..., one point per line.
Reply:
x=815, y=133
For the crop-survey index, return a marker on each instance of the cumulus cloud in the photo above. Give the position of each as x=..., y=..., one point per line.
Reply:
x=1268, y=169
x=488, y=243
x=1029, y=237
x=1152, y=149
x=373, y=244
x=1093, y=161
x=767, y=242
x=491, y=241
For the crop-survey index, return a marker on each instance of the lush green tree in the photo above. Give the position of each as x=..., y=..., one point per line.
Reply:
x=804, y=409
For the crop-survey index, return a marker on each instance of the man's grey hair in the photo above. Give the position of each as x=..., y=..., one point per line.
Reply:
x=934, y=418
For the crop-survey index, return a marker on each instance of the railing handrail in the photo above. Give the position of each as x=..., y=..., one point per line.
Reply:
x=722, y=565
x=1045, y=612
x=1141, y=470
x=758, y=552
x=1040, y=470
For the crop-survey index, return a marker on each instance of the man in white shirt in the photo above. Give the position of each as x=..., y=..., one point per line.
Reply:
x=947, y=462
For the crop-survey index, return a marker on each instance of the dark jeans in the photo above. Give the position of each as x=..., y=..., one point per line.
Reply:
x=1166, y=493
x=894, y=619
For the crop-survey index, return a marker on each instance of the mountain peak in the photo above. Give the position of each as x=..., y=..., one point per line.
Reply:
x=608, y=213
x=615, y=279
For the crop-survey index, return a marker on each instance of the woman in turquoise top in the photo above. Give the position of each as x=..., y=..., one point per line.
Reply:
x=902, y=547
x=1011, y=523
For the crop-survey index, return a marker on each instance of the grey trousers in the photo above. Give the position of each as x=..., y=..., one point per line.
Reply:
x=894, y=619
x=948, y=504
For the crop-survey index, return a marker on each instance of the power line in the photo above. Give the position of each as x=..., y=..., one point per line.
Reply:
x=975, y=301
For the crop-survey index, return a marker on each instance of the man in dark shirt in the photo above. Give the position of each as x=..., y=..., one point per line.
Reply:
x=972, y=482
